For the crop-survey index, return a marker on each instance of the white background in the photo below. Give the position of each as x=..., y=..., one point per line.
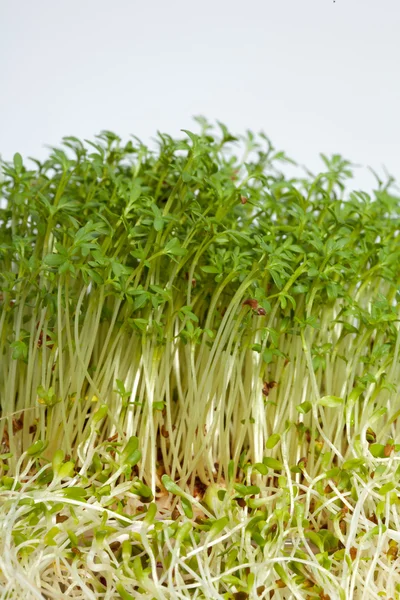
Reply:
x=315, y=75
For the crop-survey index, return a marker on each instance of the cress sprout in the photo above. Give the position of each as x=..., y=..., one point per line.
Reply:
x=200, y=365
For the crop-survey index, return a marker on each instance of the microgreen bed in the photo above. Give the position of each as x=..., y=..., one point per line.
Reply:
x=199, y=379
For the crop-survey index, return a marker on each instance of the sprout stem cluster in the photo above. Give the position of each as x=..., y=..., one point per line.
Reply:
x=199, y=376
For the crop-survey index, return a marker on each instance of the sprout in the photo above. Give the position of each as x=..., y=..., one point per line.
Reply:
x=199, y=374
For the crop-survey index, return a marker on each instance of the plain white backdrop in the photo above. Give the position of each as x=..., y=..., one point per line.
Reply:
x=314, y=75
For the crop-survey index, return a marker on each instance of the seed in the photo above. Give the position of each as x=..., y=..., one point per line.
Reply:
x=251, y=302
x=260, y=589
x=388, y=450
x=267, y=386
x=17, y=424
x=61, y=518
x=370, y=436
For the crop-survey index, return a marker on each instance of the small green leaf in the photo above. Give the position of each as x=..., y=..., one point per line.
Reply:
x=272, y=463
x=272, y=441
x=37, y=448
x=100, y=414
x=218, y=526
x=104, y=490
x=304, y=407
x=54, y=260
x=187, y=507
x=261, y=468
x=316, y=539
x=49, y=537
x=143, y=490
x=173, y=248
x=131, y=446
x=75, y=493
x=353, y=463
x=267, y=356
x=377, y=450
x=385, y=489
x=151, y=513
x=66, y=470
x=18, y=163
x=171, y=486
x=158, y=405
x=246, y=490
x=158, y=223
x=330, y=401
x=20, y=350
x=133, y=458
x=123, y=593
x=183, y=532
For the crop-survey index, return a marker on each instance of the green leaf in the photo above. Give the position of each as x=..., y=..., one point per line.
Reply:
x=272, y=463
x=20, y=350
x=246, y=490
x=218, y=526
x=171, y=486
x=267, y=356
x=131, y=445
x=54, y=260
x=133, y=458
x=353, y=464
x=158, y=405
x=330, y=401
x=140, y=300
x=261, y=468
x=37, y=448
x=151, y=513
x=17, y=159
x=143, y=490
x=385, y=489
x=186, y=177
x=75, y=493
x=158, y=223
x=304, y=407
x=58, y=458
x=272, y=441
x=187, y=507
x=50, y=535
x=66, y=470
x=100, y=414
x=377, y=450
x=316, y=539
x=123, y=593
x=173, y=248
